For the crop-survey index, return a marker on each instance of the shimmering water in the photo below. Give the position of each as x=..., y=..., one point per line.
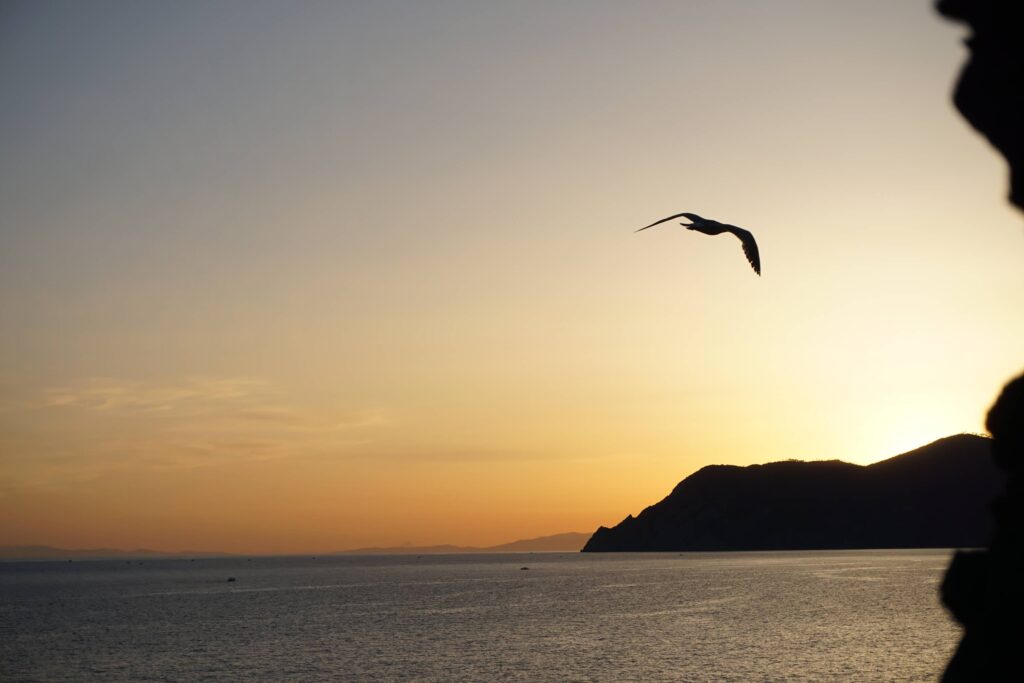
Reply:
x=814, y=616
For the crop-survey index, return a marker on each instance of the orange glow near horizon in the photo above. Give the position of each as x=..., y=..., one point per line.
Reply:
x=367, y=276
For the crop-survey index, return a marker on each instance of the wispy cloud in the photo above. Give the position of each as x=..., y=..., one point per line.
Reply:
x=118, y=395
x=77, y=431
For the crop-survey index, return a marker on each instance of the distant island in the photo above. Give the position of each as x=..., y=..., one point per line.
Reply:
x=567, y=542
x=46, y=552
x=936, y=496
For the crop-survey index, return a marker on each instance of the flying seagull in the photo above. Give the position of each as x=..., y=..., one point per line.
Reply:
x=710, y=227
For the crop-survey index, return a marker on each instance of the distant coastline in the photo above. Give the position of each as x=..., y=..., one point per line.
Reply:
x=567, y=542
x=16, y=553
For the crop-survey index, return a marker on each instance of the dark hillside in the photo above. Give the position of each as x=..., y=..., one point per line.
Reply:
x=935, y=496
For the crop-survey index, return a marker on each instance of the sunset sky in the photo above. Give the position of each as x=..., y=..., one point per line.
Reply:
x=295, y=277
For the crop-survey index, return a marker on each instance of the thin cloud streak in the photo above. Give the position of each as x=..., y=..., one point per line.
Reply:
x=85, y=429
x=117, y=395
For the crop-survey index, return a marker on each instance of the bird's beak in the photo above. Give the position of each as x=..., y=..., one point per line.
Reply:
x=688, y=226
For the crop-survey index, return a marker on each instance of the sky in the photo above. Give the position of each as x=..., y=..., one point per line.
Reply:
x=299, y=277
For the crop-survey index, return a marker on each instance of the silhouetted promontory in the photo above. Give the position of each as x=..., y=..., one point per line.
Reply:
x=936, y=496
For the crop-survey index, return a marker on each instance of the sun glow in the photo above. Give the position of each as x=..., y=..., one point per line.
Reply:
x=367, y=273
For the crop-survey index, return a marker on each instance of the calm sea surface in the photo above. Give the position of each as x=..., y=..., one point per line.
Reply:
x=813, y=616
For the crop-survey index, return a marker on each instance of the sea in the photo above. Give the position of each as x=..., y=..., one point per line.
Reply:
x=742, y=616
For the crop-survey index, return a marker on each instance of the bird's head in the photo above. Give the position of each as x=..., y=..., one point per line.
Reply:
x=694, y=219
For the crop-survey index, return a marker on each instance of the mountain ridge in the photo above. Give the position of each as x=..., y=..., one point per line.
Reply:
x=933, y=496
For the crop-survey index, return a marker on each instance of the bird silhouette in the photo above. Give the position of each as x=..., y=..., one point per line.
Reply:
x=710, y=227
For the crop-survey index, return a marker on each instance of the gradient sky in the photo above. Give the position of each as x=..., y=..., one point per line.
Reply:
x=286, y=277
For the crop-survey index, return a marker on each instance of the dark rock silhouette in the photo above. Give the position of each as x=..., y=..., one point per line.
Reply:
x=984, y=590
x=933, y=497
x=990, y=90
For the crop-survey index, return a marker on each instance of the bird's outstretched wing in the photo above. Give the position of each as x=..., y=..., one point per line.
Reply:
x=749, y=247
x=663, y=220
